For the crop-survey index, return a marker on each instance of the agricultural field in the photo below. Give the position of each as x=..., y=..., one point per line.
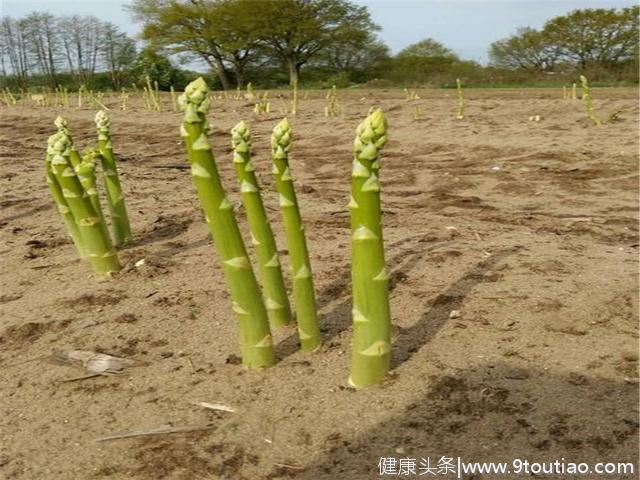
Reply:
x=511, y=241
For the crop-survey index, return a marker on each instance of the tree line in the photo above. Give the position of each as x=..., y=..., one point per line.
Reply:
x=272, y=43
x=45, y=46
x=596, y=39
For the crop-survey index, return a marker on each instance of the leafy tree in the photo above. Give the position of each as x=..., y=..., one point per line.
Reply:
x=425, y=61
x=529, y=49
x=596, y=36
x=427, y=48
x=354, y=60
x=219, y=32
x=157, y=67
x=296, y=31
x=230, y=34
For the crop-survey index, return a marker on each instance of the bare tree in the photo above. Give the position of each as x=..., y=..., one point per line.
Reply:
x=42, y=40
x=13, y=49
x=81, y=38
x=118, y=51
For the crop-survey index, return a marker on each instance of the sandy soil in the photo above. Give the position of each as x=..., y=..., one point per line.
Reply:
x=527, y=229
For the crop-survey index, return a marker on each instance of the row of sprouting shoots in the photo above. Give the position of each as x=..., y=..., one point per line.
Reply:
x=258, y=310
x=257, y=313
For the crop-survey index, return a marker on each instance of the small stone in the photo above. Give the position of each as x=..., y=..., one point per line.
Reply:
x=517, y=374
x=400, y=451
x=233, y=360
x=454, y=314
x=452, y=231
x=126, y=318
x=90, y=322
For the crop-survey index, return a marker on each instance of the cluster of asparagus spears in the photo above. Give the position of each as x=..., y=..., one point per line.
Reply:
x=72, y=182
x=259, y=310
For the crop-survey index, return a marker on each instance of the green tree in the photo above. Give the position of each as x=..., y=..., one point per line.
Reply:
x=219, y=32
x=601, y=37
x=529, y=49
x=355, y=60
x=427, y=48
x=157, y=67
x=427, y=61
x=295, y=31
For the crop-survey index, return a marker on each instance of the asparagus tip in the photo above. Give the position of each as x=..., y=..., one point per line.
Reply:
x=240, y=128
x=59, y=144
x=61, y=123
x=241, y=137
x=195, y=100
x=281, y=138
x=102, y=120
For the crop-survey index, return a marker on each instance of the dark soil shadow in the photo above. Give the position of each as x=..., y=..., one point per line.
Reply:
x=165, y=227
x=27, y=213
x=411, y=339
x=339, y=318
x=339, y=286
x=489, y=413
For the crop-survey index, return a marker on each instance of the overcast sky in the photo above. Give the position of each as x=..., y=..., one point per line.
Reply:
x=466, y=26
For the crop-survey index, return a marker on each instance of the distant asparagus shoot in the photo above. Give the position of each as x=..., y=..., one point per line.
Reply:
x=588, y=105
x=460, y=114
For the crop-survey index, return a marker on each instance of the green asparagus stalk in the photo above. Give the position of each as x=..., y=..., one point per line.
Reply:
x=332, y=108
x=294, y=97
x=174, y=101
x=86, y=172
x=303, y=291
x=588, y=105
x=62, y=125
x=371, y=352
x=275, y=292
x=115, y=199
x=63, y=207
x=255, y=335
x=460, y=114
x=95, y=244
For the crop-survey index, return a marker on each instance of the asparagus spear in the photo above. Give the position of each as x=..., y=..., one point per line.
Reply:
x=115, y=198
x=62, y=125
x=588, y=105
x=86, y=172
x=275, y=292
x=303, y=291
x=371, y=352
x=63, y=207
x=460, y=114
x=95, y=243
x=255, y=335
